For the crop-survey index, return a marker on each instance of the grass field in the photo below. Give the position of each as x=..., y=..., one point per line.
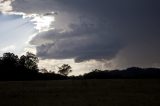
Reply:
x=119, y=92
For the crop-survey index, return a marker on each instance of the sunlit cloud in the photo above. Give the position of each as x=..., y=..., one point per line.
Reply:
x=5, y=5
x=43, y=23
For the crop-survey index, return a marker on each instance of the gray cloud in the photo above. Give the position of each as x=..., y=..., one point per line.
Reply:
x=99, y=29
x=85, y=41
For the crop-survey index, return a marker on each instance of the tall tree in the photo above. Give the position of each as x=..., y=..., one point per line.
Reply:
x=29, y=61
x=9, y=59
x=65, y=69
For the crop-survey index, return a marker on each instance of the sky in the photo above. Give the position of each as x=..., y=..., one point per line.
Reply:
x=87, y=34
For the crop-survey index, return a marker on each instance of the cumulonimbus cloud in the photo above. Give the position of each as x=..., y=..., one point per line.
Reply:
x=83, y=42
x=126, y=23
x=111, y=26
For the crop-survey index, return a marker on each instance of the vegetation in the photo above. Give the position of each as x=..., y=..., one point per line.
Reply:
x=70, y=92
x=25, y=68
x=65, y=69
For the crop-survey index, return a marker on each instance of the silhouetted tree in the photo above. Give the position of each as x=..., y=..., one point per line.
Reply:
x=65, y=69
x=43, y=70
x=26, y=68
x=29, y=61
x=9, y=61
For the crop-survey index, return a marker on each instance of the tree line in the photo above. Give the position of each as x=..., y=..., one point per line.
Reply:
x=25, y=67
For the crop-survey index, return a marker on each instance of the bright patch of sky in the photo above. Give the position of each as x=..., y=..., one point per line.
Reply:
x=43, y=23
x=14, y=32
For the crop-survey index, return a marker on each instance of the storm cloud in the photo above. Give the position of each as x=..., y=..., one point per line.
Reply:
x=126, y=30
x=84, y=41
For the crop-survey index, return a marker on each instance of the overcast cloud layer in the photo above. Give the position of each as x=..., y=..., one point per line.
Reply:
x=125, y=31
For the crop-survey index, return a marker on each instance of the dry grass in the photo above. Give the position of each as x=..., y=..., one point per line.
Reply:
x=119, y=92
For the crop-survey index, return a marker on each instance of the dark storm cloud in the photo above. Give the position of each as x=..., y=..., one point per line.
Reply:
x=103, y=7
x=85, y=42
x=99, y=29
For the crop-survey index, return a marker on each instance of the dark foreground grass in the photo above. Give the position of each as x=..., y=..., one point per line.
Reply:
x=119, y=92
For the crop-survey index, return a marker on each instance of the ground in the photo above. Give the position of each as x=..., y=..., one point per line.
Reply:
x=113, y=92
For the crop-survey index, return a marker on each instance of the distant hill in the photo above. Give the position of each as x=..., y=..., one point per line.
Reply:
x=133, y=72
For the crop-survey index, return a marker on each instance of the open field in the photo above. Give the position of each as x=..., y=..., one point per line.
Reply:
x=118, y=92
